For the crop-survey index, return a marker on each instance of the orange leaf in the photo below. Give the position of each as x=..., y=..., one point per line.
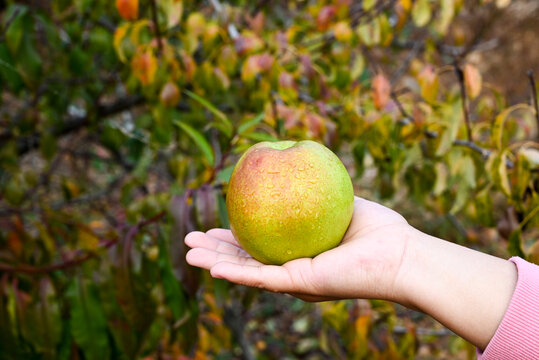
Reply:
x=428, y=81
x=144, y=66
x=170, y=94
x=256, y=64
x=472, y=80
x=128, y=9
x=381, y=90
x=14, y=243
x=342, y=31
x=256, y=23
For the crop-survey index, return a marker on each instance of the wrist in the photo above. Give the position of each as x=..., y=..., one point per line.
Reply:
x=466, y=290
x=404, y=290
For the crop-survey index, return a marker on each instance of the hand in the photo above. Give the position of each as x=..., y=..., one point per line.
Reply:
x=365, y=265
x=380, y=257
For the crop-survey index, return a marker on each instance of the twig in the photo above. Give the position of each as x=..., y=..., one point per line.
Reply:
x=29, y=269
x=460, y=77
x=478, y=149
x=156, y=26
x=534, y=96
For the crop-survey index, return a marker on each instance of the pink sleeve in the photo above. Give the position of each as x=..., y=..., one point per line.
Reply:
x=517, y=337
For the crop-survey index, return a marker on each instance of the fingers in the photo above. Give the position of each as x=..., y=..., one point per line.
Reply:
x=269, y=277
x=224, y=235
x=206, y=258
x=220, y=244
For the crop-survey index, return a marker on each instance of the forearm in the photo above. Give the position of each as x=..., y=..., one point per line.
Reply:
x=466, y=290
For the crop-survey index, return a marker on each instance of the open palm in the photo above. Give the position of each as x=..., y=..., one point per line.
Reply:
x=365, y=265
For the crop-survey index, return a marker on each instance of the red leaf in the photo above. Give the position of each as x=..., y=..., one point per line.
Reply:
x=324, y=17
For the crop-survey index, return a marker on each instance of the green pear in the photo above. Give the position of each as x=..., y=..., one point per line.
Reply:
x=289, y=200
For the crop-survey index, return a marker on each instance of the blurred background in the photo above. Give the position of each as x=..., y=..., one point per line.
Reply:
x=121, y=121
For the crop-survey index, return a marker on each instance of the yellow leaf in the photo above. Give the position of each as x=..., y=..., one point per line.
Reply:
x=368, y=4
x=362, y=326
x=119, y=35
x=343, y=31
x=472, y=80
x=497, y=127
x=447, y=12
x=135, y=30
x=421, y=12
x=196, y=24
x=87, y=240
x=502, y=3
x=406, y=4
x=174, y=11
x=358, y=66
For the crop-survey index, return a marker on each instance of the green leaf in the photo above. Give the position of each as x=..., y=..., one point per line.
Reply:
x=225, y=174
x=29, y=61
x=484, y=207
x=223, y=215
x=143, y=163
x=451, y=123
x=228, y=128
x=515, y=243
x=17, y=26
x=79, y=63
x=440, y=184
x=497, y=127
x=247, y=125
x=260, y=136
x=461, y=199
x=201, y=142
x=8, y=73
x=88, y=324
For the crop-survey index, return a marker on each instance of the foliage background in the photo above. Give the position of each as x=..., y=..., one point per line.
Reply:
x=121, y=122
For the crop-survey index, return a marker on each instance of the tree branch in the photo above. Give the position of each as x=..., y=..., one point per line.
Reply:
x=30, y=269
x=71, y=123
